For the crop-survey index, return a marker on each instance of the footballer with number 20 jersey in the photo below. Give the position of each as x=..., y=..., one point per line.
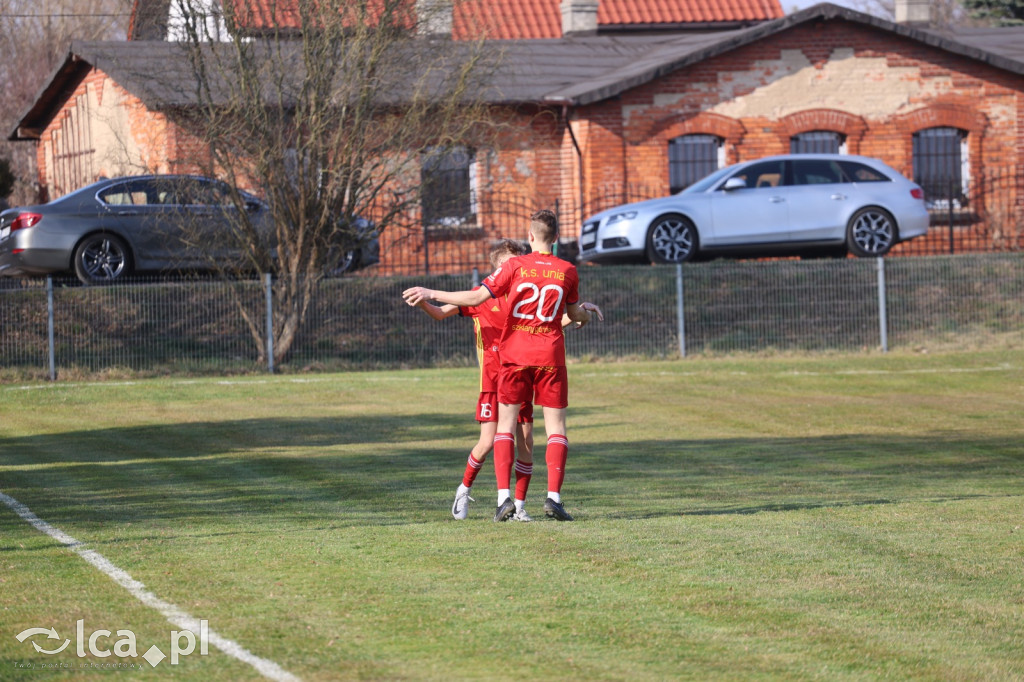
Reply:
x=537, y=286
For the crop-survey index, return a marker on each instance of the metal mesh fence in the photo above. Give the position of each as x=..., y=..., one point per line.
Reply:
x=792, y=305
x=198, y=327
x=963, y=300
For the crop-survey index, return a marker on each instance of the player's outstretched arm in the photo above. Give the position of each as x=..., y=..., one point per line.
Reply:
x=413, y=296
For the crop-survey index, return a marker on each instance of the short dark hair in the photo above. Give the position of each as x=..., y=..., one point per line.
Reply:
x=510, y=246
x=544, y=225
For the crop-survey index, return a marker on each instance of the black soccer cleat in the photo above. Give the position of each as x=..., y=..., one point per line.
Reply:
x=505, y=510
x=556, y=511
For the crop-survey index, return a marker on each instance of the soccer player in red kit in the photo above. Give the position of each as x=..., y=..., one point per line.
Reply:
x=540, y=288
x=488, y=321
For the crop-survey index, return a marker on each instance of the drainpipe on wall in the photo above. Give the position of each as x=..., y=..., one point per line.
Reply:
x=579, y=158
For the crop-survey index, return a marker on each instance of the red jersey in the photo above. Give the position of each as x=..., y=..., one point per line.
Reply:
x=488, y=320
x=538, y=286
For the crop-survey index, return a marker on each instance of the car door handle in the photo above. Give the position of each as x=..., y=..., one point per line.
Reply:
x=838, y=197
x=776, y=200
x=127, y=213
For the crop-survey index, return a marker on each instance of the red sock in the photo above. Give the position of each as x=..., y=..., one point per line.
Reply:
x=555, y=455
x=472, y=469
x=523, y=473
x=504, y=455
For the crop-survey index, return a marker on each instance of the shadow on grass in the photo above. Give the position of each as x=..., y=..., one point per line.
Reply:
x=398, y=470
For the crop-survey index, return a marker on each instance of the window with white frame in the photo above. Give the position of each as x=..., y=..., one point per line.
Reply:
x=942, y=166
x=692, y=157
x=818, y=142
x=448, y=181
x=206, y=17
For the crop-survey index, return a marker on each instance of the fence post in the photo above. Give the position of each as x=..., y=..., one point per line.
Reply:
x=426, y=250
x=679, y=310
x=49, y=325
x=270, y=322
x=949, y=212
x=883, y=323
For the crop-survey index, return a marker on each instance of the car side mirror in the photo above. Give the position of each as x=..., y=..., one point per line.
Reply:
x=734, y=183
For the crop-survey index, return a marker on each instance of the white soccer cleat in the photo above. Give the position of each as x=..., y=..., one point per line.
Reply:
x=522, y=516
x=460, y=508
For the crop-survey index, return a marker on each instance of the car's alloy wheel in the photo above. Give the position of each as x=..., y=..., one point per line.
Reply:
x=871, y=232
x=671, y=239
x=101, y=258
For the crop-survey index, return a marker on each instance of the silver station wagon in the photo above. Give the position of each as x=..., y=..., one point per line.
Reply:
x=781, y=205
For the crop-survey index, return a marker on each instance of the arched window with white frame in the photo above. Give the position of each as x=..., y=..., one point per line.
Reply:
x=942, y=166
x=818, y=142
x=448, y=178
x=692, y=157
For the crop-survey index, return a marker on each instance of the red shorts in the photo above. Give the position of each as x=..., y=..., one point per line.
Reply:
x=544, y=386
x=487, y=409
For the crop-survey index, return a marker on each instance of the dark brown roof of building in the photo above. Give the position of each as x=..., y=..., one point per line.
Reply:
x=565, y=71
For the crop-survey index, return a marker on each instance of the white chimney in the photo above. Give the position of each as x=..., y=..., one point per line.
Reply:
x=915, y=13
x=435, y=18
x=579, y=17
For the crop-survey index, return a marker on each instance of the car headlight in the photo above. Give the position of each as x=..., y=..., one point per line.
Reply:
x=616, y=217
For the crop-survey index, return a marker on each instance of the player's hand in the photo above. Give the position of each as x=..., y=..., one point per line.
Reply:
x=416, y=295
x=593, y=308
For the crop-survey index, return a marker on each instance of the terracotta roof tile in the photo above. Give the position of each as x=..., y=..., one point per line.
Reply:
x=686, y=11
x=512, y=19
x=517, y=19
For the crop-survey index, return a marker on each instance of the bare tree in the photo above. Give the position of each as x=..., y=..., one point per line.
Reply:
x=34, y=38
x=996, y=12
x=325, y=108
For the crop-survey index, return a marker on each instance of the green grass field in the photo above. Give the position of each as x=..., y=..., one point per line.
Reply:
x=848, y=517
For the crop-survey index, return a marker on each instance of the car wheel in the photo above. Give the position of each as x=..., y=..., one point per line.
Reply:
x=871, y=232
x=671, y=239
x=101, y=259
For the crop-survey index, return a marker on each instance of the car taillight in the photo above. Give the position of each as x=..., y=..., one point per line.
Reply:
x=917, y=193
x=25, y=220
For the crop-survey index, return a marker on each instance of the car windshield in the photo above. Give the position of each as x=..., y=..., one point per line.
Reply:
x=705, y=183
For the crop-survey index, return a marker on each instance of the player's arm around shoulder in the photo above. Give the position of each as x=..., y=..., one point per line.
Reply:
x=467, y=299
x=438, y=312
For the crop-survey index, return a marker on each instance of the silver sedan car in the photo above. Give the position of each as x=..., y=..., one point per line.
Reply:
x=790, y=204
x=112, y=228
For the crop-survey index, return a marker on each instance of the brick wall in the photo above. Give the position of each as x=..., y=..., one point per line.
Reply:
x=874, y=87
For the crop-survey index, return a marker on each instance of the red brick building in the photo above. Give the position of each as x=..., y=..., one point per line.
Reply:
x=609, y=112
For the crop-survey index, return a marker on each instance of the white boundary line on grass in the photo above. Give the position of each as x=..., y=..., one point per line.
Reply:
x=174, y=614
